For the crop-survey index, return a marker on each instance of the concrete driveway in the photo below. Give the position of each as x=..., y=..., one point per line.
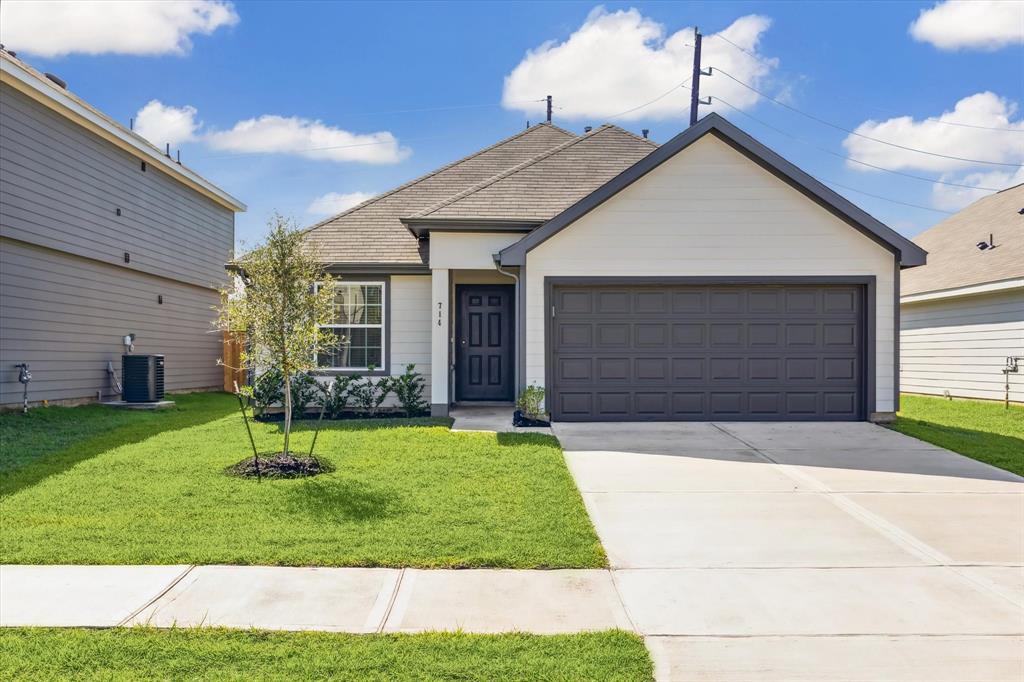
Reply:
x=746, y=551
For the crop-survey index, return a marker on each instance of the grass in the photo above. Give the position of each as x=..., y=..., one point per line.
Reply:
x=98, y=486
x=985, y=431
x=215, y=654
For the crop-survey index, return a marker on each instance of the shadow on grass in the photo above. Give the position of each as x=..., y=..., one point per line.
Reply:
x=343, y=500
x=1005, y=452
x=47, y=445
x=361, y=424
x=512, y=439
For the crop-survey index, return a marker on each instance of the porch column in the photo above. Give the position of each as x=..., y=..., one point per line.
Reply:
x=439, y=342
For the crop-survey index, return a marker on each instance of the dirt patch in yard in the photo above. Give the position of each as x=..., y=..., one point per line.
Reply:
x=278, y=465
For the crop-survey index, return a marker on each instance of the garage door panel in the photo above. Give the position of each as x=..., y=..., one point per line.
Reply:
x=687, y=352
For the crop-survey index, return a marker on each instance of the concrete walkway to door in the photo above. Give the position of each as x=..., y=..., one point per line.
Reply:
x=833, y=551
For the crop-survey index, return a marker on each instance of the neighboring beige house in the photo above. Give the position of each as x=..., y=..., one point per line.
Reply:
x=703, y=279
x=962, y=314
x=101, y=235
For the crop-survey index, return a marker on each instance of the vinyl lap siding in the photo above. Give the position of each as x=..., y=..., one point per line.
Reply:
x=710, y=211
x=65, y=316
x=961, y=345
x=61, y=186
x=410, y=325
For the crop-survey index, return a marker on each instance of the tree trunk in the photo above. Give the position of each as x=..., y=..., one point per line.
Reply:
x=287, y=410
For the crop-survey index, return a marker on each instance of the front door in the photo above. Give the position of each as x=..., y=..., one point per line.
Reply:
x=483, y=342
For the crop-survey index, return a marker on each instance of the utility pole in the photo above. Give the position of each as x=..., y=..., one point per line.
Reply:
x=695, y=80
x=549, y=108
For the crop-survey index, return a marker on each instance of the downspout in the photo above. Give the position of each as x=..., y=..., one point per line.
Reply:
x=515, y=317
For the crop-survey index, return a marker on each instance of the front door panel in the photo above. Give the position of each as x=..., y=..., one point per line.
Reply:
x=483, y=342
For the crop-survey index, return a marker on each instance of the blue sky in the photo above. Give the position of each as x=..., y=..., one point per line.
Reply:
x=359, y=68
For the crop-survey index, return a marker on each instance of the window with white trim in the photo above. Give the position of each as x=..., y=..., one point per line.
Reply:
x=359, y=317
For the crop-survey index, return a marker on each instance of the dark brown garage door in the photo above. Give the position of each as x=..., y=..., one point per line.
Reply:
x=703, y=352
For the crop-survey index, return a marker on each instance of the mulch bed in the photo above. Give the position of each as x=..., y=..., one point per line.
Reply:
x=278, y=466
x=270, y=417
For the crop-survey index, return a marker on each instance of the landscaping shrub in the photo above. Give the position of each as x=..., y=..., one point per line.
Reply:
x=529, y=402
x=368, y=395
x=408, y=390
x=268, y=389
x=334, y=395
x=305, y=391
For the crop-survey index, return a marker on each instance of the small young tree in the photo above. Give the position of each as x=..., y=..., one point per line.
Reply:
x=281, y=297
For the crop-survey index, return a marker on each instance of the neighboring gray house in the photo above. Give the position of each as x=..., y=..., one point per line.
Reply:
x=962, y=315
x=101, y=235
x=706, y=278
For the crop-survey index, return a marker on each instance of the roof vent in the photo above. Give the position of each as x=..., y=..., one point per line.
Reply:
x=56, y=79
x=984, y=246
x=645, y=132
x=587, y=129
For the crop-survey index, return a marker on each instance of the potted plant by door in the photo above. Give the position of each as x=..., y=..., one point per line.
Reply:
x=528, y=408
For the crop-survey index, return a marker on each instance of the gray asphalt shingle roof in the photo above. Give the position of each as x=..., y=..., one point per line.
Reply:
x=372, y=232
x=954, y=260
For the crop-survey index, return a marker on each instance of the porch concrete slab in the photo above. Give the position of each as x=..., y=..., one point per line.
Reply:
x=70, y=596
x=489, y=418
x=732, y=470
x=662, y=530
x=838, y=659
x=277, y=598
x=659, y=438
x=490, y=601
x=898, y=470
x=719, y=602
x=822, y=436
x=966, y=527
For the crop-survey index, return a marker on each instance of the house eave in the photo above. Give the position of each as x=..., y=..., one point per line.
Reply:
x=422, y=227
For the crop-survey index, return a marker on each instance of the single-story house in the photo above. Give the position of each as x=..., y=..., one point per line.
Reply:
x=102, y=235
x=962, y=314
x=705, y=278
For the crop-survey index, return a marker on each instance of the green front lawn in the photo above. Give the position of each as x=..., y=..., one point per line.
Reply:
x=214, y=654
x=99, y=486
x=983, y=430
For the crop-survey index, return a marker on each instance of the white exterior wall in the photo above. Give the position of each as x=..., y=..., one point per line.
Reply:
x=960, y=345
x=711, y=211
x=410, y=325
x=468, y=250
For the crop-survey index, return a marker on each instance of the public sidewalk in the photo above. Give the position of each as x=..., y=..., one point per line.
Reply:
x=357, y=600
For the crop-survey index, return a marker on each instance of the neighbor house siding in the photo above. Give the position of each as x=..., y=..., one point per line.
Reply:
x=61, y=187
x=710, y=211
x=66, y=316
x=960, y=345
x=68, y=296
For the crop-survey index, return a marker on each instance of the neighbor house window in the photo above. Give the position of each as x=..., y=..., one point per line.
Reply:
x=359, y=325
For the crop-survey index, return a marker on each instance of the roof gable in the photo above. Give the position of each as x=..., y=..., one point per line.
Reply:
x=908, y=253
x=954, y=259
x=372, y=231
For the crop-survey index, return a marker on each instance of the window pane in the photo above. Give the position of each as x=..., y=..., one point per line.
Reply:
x=357, y=347
x=358, y=304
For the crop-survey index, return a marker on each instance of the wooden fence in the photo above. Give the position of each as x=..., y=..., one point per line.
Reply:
x=234, y=343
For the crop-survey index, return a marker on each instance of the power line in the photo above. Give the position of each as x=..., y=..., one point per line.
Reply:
x=870, y=106
x=844, y=156
x=866, y=137
x=878, y=196
x=647, y=104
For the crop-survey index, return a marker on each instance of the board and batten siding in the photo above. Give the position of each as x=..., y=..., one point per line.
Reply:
x=410, y=326
x=66, y=316
x=711, y=211
x=61, y=187
x=67, y=295
x=960, y=345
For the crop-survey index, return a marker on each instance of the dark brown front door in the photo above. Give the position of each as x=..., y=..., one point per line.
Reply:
x=483, y=342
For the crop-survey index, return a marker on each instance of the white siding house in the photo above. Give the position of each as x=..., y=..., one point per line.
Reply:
x=962, y=315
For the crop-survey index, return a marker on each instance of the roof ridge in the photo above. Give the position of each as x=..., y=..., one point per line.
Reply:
x=509, y=171
x=633, y=135
x=434, y=172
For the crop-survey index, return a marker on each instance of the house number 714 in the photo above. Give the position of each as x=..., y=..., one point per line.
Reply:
x=439, y=314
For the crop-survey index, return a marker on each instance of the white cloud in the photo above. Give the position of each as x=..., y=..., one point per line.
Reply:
x=160, y=123
x=971, y=24
x=955, y=198
x=982, y=109
x=333, y=203
x=620, y=60
x=52, y=28
x=307, y=138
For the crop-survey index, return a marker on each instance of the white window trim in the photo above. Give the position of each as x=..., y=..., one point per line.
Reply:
x=383, y=326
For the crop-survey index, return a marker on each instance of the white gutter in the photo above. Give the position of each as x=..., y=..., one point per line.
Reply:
x=972, y=290
x=30, y=82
